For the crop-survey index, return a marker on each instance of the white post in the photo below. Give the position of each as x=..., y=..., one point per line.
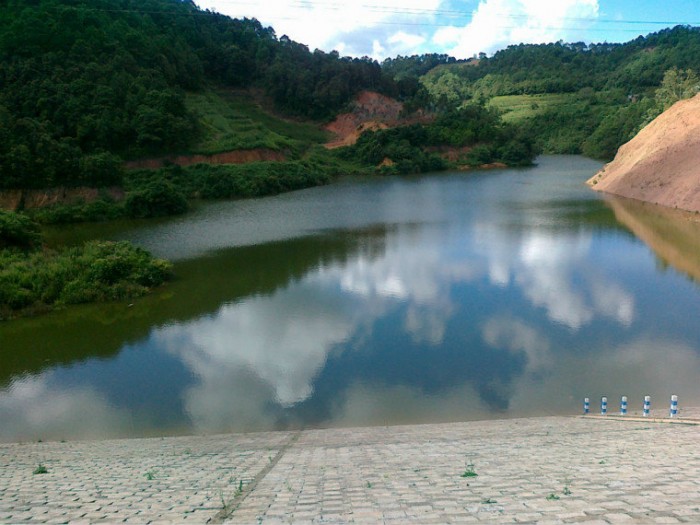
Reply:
x=623, y=406
x=603, y=405
x=586, y=405
x=674, y=406
x=647, y=404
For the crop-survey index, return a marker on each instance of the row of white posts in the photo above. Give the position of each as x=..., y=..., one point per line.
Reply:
x=673, y=411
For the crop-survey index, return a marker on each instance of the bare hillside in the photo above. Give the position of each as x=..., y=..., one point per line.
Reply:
x=662, y=163
x=371, y=111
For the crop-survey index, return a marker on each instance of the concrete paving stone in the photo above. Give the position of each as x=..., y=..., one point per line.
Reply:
x=619, y=518
x=414, y=470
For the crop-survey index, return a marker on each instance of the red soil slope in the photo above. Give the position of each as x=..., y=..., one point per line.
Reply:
x=228, y=157
x=662, y=163
x=371, y=111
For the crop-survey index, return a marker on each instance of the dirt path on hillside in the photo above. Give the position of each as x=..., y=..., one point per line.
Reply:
x=228, y=157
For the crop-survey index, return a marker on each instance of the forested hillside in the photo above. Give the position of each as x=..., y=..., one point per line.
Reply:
x=86, y=83
x=581, y=98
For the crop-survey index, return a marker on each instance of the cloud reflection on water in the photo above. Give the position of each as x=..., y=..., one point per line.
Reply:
x=267, y=352
x=554, y=272
x=33, y=407
x=470, y=307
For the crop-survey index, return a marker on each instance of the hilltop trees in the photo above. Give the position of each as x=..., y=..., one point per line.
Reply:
x=84, y=83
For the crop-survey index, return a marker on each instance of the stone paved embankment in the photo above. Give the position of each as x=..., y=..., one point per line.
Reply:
x=546, y=470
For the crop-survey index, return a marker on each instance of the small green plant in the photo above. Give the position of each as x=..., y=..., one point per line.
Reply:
x=40, y=469
x=369, y=485
x=552, y=497
x=566, y=491
x=489, y=501
x=469, y=472
x=150, y=475
x=602, y=462
x=239, y=489
x=223, y=501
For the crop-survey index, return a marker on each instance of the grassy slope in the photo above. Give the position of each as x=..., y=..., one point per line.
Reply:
x=516, y=108
x=232, y=120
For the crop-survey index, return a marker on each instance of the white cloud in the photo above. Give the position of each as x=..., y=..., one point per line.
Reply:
x=514, y=335
x=614, y=371
x=350, y=27
x=406, y=39
x=497, y=23
x=368, y=405
x=259, y=338
x=266, y=359
x=414, y=270
x=33, y=408
x=551, y=270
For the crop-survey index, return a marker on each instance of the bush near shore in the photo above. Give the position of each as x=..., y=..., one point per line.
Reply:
x=35, y=279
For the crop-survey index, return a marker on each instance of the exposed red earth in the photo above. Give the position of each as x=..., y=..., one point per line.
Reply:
x=662, y=163
x=371, y=111
x=229, y=157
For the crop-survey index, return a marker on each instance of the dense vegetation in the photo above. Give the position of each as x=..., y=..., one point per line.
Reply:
x=610, y=90
x=88, y=84
x=33, y=279
x=473, y=129
x=85, y=83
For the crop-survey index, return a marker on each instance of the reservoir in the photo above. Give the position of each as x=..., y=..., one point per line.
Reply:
x=382, y=301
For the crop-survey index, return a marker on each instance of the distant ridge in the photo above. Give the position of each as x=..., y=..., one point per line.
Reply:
x=662, y=163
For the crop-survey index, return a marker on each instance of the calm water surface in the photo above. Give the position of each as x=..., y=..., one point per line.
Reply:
x=401, y=300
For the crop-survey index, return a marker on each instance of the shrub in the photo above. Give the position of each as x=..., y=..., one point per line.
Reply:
x=158, y=198
x=97, y=271
x=18, y=231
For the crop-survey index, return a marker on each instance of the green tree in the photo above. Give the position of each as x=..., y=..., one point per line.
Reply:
x=678, y=84
x=18, y=231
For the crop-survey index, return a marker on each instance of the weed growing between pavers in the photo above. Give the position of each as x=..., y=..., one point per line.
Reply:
x=150, y=475
x=552, y=497
x=224, y=506
x=469, y=472
x=40, y=469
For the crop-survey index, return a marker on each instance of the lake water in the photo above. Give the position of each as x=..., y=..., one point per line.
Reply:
x=379, y=301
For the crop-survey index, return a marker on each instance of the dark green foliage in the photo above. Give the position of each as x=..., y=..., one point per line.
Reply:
x=157, y=198
x=616, y=88
x=85, y=82
x=412, y=149
x=397, y=150
x=211, y=181
x=615, y=129
x=154, y=193
x=566, y=68
x=103, y=209
x=97, y=271
x=18, y=231
x=465, y=126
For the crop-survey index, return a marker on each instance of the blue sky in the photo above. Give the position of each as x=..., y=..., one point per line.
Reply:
x=462, y=28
